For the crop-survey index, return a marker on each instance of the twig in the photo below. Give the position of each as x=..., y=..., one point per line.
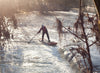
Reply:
x=92, y=43
x=74, y=34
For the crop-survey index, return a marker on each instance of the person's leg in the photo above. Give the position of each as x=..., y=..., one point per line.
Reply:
x=48, y=37
x=43, y=36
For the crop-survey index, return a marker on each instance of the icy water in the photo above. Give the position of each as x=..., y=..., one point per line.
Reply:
x=34, y=57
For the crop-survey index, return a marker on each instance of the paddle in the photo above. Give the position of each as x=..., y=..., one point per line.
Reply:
x=32, y=38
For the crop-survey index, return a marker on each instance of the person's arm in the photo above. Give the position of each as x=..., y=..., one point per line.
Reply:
x=39, y=30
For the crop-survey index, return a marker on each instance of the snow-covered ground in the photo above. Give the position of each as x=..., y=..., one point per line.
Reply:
x=35, y=57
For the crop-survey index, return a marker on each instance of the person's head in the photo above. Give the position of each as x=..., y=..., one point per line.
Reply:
x=42, y=25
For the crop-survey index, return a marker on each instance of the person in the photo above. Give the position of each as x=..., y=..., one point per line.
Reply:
x=44, y=31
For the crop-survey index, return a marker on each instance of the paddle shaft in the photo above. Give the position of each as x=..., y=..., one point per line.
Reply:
x=32, y=38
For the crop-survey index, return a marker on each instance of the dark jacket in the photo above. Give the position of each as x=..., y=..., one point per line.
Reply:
x=44, y=29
